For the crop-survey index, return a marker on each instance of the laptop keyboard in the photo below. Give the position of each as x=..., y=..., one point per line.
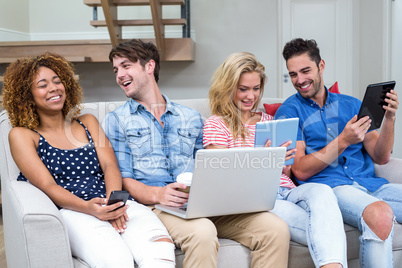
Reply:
x=183, y=208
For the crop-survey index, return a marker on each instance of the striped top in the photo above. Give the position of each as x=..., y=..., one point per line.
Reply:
x=216, y=132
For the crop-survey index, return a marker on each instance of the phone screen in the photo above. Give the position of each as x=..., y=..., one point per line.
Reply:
x=118, y=196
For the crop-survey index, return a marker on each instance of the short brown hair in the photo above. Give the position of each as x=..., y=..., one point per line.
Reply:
x=18, y=100
x=137, y=50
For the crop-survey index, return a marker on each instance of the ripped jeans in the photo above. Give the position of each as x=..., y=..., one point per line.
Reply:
x=100, y=245
x=352, y=200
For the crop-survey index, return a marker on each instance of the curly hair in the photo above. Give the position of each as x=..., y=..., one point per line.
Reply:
x=18, y=100
x=224, y=86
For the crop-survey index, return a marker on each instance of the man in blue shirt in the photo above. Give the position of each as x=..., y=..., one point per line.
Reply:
x=155, y=140
x=336, y=149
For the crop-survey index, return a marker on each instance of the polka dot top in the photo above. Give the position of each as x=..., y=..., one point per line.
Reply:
x=76, y=170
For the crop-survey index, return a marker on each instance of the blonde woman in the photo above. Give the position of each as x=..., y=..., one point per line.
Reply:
x=310, y=210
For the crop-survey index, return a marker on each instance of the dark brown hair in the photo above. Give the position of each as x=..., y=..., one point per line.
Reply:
x=137, y=50
x=300, y=46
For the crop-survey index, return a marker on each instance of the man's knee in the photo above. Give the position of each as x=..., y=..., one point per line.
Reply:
x=276, y=230
x=202, y=233
x=379, y=218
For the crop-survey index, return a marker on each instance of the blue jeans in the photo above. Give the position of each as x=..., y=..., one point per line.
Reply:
x=314, y=219
x=353, y=199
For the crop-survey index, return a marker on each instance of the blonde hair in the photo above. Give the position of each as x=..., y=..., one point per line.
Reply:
x=224, y=86
x=17, y=95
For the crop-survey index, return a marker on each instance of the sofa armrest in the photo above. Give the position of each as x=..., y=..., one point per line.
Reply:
x=391, y=171
x=34, y=233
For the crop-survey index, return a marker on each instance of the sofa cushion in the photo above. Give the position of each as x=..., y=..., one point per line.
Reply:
x=271, y=108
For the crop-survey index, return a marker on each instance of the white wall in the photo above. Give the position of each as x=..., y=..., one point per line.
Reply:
x=219, y=27
x=373, y=43
x=396, y=69
x=10, y=13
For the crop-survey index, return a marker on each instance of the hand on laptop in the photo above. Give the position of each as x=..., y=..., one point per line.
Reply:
x=170, y=196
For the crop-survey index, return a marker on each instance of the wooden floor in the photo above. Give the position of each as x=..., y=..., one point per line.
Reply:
x=3, y=263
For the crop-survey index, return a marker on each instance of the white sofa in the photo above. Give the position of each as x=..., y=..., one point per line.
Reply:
x=35, y=235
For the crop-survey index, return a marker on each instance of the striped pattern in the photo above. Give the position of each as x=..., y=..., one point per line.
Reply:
x=216, y=132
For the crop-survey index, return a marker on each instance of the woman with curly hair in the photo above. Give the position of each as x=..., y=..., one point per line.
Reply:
x=311, y=210
x=69, y=158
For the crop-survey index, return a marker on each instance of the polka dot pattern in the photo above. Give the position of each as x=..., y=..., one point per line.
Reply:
x=76, y=170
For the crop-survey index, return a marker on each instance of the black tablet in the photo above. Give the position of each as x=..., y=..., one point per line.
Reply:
x=373, y=101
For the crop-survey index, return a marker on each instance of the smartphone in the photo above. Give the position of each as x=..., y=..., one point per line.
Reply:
x=118, y=196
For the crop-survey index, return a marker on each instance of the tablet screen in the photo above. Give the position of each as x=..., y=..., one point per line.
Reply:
x=278, y=131
x=373, y=101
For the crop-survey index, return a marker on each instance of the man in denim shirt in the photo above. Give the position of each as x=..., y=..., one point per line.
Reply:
x=334, y=147
x=155, y=140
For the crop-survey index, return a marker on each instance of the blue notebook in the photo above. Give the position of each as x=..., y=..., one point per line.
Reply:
x=278, y=131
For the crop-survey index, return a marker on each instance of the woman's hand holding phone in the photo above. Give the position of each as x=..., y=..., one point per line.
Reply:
x=116, y=202
x=97, y=207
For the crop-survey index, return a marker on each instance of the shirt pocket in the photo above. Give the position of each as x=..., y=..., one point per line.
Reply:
x=187, y=138
x=139, y=140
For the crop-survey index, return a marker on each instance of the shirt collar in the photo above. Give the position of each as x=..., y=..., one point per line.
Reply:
x=135, y=106
x=331, y=97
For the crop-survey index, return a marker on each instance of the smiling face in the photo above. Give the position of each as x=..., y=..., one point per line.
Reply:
x=132, y=77
x=247, y=92
x=306, y=76
x=48, y=91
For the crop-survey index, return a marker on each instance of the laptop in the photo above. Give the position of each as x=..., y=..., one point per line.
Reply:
x=232, y=181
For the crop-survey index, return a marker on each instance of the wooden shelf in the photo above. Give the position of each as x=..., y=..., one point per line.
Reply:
x=97, y=3
x=144, y=22
x=69, y=58
x=177, y=49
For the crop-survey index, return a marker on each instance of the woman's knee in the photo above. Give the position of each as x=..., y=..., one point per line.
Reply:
x=379, y=218
x=122, y=258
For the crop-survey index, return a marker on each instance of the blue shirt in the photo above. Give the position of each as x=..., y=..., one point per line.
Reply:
x=319, y=126
x=148, y=152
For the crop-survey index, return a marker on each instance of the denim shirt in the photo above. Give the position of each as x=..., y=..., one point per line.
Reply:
x=148, y=152
x=318, y=126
